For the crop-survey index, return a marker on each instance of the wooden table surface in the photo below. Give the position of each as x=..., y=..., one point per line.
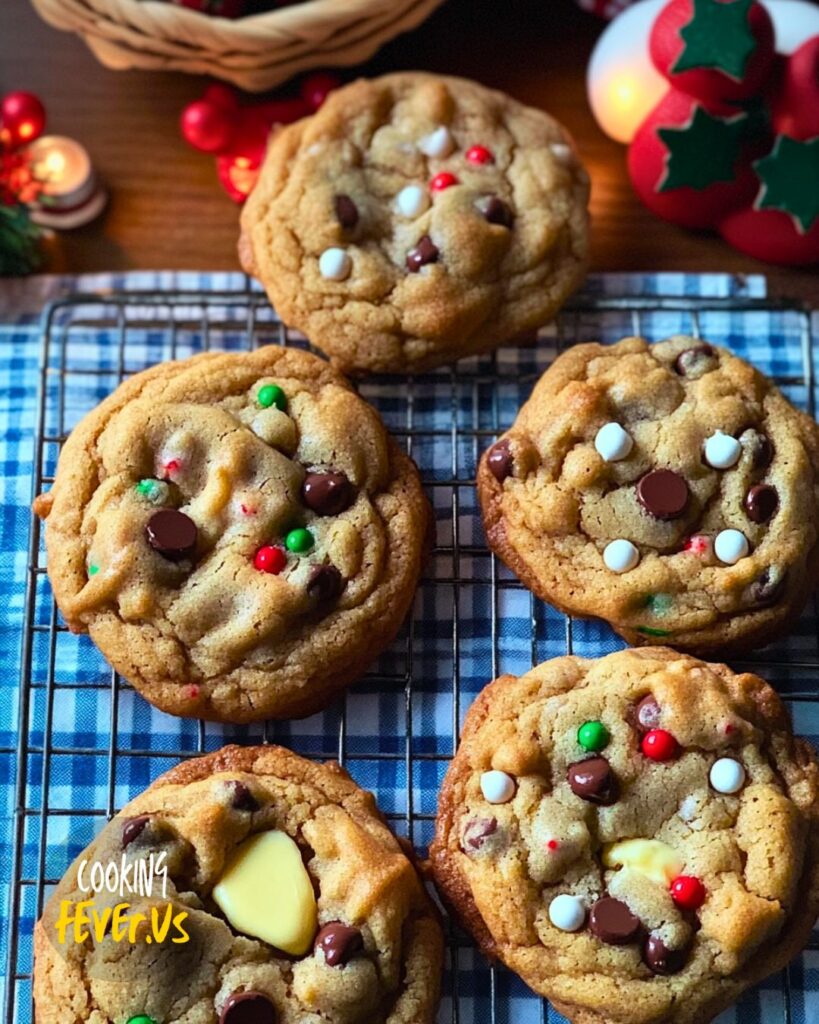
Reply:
x=167, y=210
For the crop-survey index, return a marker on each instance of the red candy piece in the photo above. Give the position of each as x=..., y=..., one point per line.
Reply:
x=442, y=180
x=659, y=745
x=270, y=559
x=480, y=155
x=553, y=844
x=688, y=892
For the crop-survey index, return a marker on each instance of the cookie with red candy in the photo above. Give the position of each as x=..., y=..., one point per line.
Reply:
x=690, y=162
x=714, y=49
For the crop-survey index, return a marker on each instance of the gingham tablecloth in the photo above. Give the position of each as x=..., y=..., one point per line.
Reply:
x=79, y=791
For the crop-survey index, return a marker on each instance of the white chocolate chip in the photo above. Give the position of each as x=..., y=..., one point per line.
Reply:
x=412, y=201
x=438, y=143
x=497, y=787
x=613, y=443
x=727, y=775
x=567, y=912
x=621, y=556
x=722, y=451
x=335, y=264
x=562, y=152
x=730, y=546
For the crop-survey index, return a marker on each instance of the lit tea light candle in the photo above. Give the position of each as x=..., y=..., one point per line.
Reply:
x=70, y=194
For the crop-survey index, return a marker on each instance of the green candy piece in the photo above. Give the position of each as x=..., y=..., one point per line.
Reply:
x=648, y=631
x=299, y=541
x=93, y=570
x=593, y=736
x=141, y=1018
x=659, y=604
x=153, y=490
x=271, y=394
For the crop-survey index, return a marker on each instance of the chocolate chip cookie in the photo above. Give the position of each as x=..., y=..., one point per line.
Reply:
x=637, y=836
x=286, y=898
x=416, y=219
x=670, y=489
x=237, y=533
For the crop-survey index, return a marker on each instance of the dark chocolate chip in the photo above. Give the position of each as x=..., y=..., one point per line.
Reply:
x=768, y=587
x=340, y=943
x=172, y=534
x=243, y=799
x=248, y=1008
x=762, y=451
x=346, y=211
x=662, y=960
x=327, y=494
x=425, y=252
x=496, y=211
x=761, y=502
x=477, y=831
x=500, y=461
x=645, y=715
x=593, y=780
x=132, y=828
x=693, y=362
x=612, y=922
x=325, y=583
x=663, y=493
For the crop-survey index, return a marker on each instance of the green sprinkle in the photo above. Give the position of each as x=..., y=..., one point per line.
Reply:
x=648, y=631
x=93, y=569
x=154, y=490
x=141, y=1018
x=593, y=736
x=299, y=541
x=271, y=394
x=659, y=604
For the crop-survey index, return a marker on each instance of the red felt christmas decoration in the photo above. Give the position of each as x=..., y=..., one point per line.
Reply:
x=734, y=144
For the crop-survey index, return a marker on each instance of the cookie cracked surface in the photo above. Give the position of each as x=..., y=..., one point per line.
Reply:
x=236, y=532
x=670, y=489
x=374, y=946
x=632, y=881
x=416, y=219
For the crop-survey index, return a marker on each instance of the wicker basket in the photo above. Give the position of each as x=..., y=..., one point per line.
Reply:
x=255, y=53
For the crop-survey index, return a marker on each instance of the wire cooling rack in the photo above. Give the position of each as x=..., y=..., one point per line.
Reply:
x=87, y=742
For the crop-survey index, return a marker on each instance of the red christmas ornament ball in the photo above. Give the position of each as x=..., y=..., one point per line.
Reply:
x=314, y=88
x=688, y=892
x=659, y=745
x=270, y=559
x=666, y=44
x=207, y=126
x=221, y=95
x=22, y=118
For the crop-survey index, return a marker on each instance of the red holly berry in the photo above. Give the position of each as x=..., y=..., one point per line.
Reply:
x=479, y=155
x=270, y=559
x=715, y=51
x=660, y=745
x=314, y=88
x=688, y=892
x=442, y=180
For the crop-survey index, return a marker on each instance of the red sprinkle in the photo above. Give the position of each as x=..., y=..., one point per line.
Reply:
x=659, y=745
x=553, y=844
x=699, y=544
x=173, y=466
x=270, y=559
x=248, y=511
x=442, y=180
x=688, y=892
x=193, y=691
x=729, y=729
x=480, y=155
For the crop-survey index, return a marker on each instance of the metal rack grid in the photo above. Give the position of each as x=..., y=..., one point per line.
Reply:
x=479, y=399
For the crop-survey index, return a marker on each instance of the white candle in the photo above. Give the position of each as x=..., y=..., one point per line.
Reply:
x=63, y=168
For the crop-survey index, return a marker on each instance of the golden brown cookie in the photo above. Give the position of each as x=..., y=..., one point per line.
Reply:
x=637, y=836
x=416, y=219
x=670, y=489
x=249, y=848
x=237, y=533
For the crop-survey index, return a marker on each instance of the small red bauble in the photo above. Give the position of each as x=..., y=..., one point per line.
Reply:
x=22, y=118
x=479, y=155
x=314, y=88
x=442, y=180
x=688, y=892
x=270, y=559
x=207, y=125
x=659, y=745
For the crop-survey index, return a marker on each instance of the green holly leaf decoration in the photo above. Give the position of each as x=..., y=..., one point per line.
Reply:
x=718, y=36
x=703, y=151
x=19, y=241
x=790, y=180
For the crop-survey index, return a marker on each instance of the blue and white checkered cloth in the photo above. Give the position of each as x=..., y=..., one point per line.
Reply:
x=90, y=743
